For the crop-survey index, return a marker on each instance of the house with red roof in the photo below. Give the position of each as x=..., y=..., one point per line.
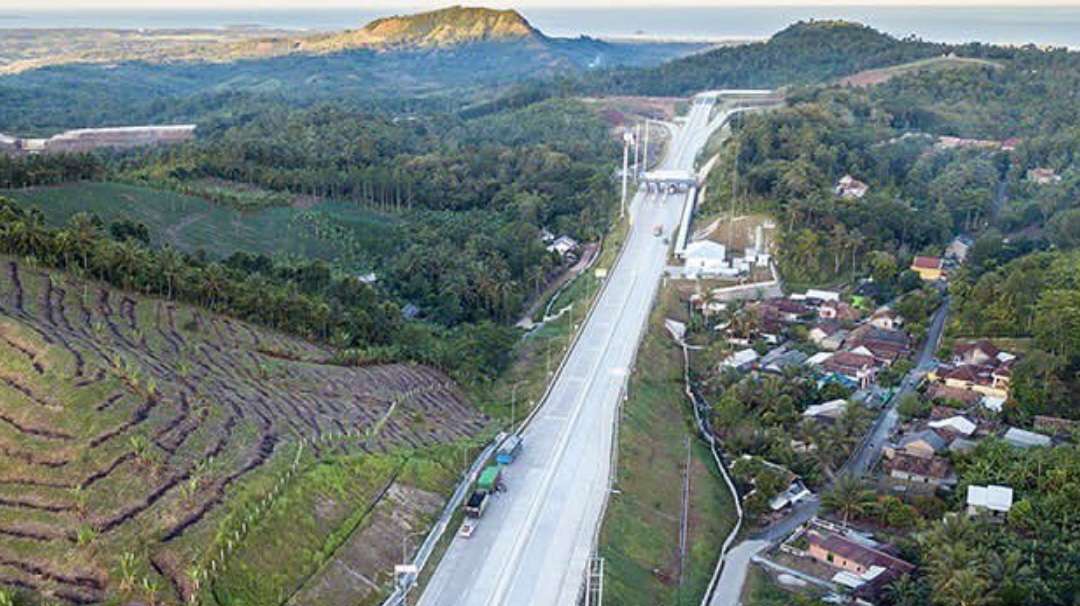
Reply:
x=929, y=269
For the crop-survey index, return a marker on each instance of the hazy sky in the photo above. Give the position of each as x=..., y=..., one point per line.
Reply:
x=31, y=5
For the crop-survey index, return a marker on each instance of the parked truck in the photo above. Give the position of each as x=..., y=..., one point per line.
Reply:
x=509, y=450
x=477, y=503
x=490, y=478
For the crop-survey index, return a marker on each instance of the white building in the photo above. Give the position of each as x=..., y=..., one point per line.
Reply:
x=740, y=360
x=563, y=245
x=705, y=256
x=1021, y=438
x=995, y=500
x=957, y=425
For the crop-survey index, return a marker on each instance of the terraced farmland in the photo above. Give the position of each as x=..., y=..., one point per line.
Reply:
x=148, y=447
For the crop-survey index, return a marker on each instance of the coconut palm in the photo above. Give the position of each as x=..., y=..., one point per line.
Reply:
x=849, y=497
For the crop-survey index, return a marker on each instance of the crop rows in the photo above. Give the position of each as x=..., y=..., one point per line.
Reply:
x=125, y=422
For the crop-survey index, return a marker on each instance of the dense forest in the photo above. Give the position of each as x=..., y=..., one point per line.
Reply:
x=804, y=53
x=470, y=196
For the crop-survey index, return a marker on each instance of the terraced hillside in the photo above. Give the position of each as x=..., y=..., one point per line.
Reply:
x=151, y=451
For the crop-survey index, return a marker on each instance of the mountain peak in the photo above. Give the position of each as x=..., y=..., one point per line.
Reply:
x=439, y=28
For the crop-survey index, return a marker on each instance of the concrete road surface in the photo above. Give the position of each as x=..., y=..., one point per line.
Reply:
x=535, y=540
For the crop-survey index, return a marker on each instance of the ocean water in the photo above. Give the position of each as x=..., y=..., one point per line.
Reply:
x=1056, y=26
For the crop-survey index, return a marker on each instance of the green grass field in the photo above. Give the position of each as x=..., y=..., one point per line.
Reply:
x=333, y=231
x=640, y=536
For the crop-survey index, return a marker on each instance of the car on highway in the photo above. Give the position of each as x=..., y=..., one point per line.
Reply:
x=468, y=527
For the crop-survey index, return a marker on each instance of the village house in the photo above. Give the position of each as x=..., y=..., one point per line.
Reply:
x=839, y=311
x=743, y=359
x=827, y=412
x=958, y=249
x=859, y=369
x=984, y=380
x=958, y=426
x=563, y=246
x=939, y=392
x=885, y=346
x=784, y=310
x=816, y=296
x=1043, y=176
x=922, y=444
x=887, y=319
x=1022, y=438
x=827, y=335
x=866, y=566
x=850, y=188
x=929, y=269
x=781, y=358
x=934, y=471
x=991, y=500
x=979, y=353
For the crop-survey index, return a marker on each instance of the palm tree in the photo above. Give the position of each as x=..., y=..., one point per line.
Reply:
x=171, y=266
x=849, y=497
x=84, y=232
x=907, y=591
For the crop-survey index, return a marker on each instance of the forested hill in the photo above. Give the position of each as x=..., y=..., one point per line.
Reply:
x=435, y=60
x=803, y=53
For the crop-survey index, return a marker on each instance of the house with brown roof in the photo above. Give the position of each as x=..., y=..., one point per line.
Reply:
x=828, y=335
x=887, y=319
x=981, y=353
x=934, y=471
x=784, y=310
x=839, y=311
x=929, y=269
x=872, y=567
x=940, y=392
x=885, y=346
x=860, y=369
x=984, y=380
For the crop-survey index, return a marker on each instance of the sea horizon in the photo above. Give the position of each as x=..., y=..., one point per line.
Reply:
x=1043, y=25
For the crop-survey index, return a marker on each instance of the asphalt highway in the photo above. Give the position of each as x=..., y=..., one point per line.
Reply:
x=534, y=542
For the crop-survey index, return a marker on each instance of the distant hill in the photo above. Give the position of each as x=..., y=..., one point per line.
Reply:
x=804, y=53
x=440, y=28
x=116, y=78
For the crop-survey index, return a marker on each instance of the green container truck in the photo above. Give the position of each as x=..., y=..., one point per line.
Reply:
x=489, y=478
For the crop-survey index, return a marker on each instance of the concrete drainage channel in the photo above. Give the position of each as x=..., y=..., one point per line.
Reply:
x=706, y=434
x=427, y=547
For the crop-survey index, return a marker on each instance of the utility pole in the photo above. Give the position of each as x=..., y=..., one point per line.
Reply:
x=637, y=148
x=627, y=137
x=513, y=405
x=645, y=154
x=734, y=195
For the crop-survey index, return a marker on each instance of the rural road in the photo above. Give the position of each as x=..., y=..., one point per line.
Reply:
x=535, y=540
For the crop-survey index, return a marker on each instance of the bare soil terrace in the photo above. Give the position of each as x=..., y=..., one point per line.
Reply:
x=128, y=425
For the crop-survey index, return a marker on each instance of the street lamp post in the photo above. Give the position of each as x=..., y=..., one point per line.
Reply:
x=513, y=404
x=628, y=137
